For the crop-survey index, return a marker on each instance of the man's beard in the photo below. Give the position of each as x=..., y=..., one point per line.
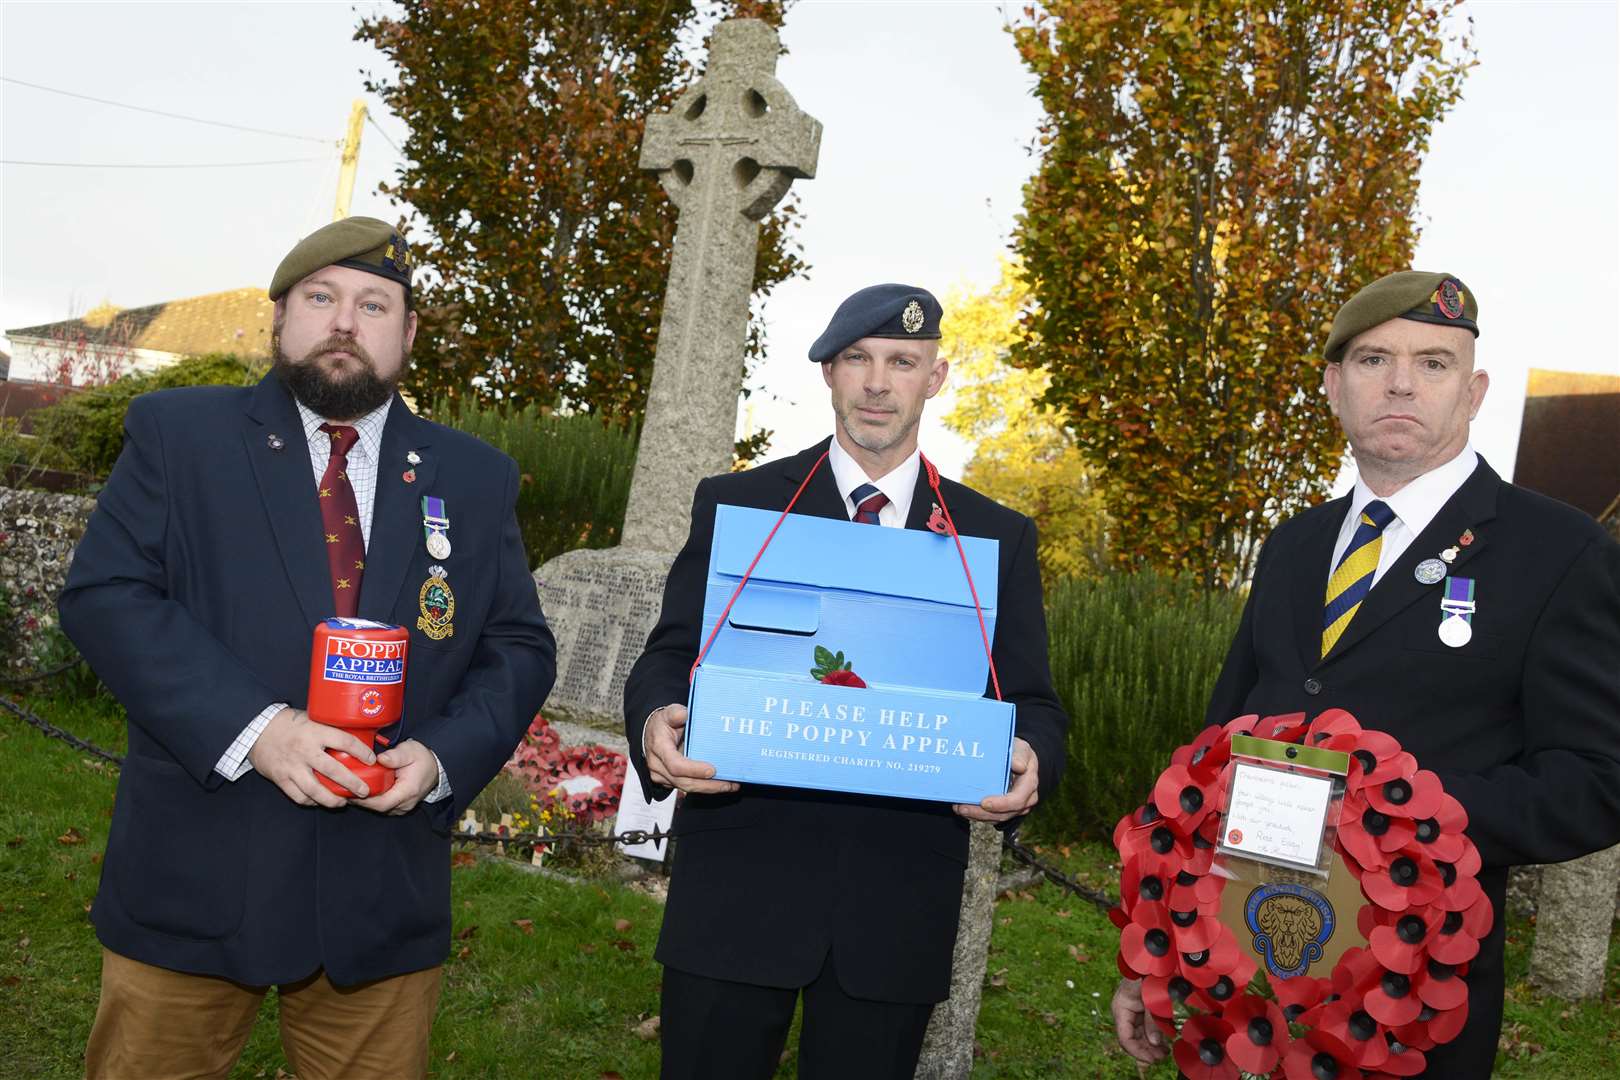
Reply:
x=346, y=397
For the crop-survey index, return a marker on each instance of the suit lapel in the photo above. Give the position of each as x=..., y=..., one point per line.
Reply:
x=820, y=497
x=1398, y=589
x=922, y=500
x=396, y=515
x=287, y=489
x=1310, y=580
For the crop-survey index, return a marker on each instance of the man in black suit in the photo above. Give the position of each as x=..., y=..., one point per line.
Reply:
x=1515, y=701
x=236, y=519
x=851, y=900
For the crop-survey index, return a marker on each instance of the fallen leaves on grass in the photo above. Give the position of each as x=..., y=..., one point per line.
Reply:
x=624, y=946
x=525, y=925
x=15, y=842
x=1079, y=955
x=648, y=1028
x=469, y=933
x=72, y=836
x=621, y=925
x=462, y=859
x=998, y=978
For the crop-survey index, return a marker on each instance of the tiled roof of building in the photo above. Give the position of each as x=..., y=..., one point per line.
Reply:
x=237, y=321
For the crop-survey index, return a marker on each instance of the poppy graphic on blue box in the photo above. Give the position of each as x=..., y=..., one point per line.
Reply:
x=896, y=604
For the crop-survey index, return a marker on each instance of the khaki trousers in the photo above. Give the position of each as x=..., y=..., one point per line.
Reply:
x=157, y=1024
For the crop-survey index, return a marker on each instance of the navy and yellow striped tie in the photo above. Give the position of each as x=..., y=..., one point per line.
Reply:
x=1352, y=579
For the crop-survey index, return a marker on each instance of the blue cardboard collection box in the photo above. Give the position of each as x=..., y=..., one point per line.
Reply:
x=895, y=604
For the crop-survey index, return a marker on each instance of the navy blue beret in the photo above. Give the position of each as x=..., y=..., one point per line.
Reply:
x=887, y=311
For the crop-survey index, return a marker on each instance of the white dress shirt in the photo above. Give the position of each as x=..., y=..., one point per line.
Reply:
x=361, y=472
x=899, y=483
x=1415, y=505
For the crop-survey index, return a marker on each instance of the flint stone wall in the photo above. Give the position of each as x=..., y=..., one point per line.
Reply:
x=38, y=532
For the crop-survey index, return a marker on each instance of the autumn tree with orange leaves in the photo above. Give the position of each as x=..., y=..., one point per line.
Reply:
x=1216, y=178
x=546, y=247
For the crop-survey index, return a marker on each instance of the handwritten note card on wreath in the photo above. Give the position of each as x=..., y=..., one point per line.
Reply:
x=1274, y=814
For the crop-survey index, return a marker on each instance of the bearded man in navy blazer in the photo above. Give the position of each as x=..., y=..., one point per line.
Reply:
x=235, y=520
x=850, y=900
x=1517, y=706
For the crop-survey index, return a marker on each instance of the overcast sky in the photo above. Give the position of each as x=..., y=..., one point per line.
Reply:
x=927, y=118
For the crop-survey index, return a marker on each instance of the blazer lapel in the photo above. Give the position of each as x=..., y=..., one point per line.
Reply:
x=396, y=515
x=820, y=497
x=287, y=489
x=1398, y=589
x=1310, y=580
x=922, y=501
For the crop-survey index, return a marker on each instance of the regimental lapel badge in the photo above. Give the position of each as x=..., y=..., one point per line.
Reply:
x=413, y=458
x=1429, y=571
x=274, y=442
x=438, y=605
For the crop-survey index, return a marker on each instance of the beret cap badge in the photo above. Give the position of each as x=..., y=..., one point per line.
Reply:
x=912, y=317
x=1448, y=299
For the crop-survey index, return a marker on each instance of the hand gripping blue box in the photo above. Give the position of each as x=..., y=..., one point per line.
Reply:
x=893, y=606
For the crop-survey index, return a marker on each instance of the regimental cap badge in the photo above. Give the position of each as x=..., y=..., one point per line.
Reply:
x=912, y=317
x=396, y=255
x=1449, y=299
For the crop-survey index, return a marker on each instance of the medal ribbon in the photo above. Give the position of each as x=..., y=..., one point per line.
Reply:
x=1459, y=598
x=434, y=519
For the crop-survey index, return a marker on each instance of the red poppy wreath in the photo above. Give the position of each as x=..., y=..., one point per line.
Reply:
x=1423, y=914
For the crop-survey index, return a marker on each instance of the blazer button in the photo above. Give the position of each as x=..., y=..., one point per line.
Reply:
x=1313, y=687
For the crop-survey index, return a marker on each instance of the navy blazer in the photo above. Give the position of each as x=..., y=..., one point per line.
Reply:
x=1522, y=723
x=194, y=594
x=768, y=879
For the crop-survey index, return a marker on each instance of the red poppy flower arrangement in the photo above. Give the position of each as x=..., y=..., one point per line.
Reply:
x=1403, y=839
x=588, y=780
x=832, y=669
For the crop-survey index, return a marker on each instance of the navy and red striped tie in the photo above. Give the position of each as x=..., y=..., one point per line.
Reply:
x=868, y=501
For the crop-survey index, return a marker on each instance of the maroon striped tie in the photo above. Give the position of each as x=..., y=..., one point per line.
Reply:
x=340, y=518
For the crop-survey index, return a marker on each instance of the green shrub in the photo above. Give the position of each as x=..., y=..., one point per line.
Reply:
x=575, y=473
x=24, y=454
x=1134, y=658
x=85, y=430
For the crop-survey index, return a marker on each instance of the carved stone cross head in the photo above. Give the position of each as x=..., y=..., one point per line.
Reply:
x=736, y=137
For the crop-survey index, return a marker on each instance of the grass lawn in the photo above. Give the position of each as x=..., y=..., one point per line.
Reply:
x=551, y=980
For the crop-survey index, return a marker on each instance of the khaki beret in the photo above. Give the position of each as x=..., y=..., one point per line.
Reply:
x=1408, y=294
x=363, y=243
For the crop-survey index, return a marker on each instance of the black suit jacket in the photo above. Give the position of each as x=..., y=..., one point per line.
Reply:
x=194, y=594
x=1522, y=723
x=766, y=880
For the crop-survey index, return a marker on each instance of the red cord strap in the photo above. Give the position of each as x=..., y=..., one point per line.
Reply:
x=933, y=482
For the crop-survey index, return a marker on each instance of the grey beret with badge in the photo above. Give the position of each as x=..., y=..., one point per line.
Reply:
x=886, y=311
x=363, y=243
x=1420, y=295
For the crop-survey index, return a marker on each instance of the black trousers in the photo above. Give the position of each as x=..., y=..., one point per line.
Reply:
x=713, y=1028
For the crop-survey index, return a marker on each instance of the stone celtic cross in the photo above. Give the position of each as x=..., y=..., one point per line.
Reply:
x=726, y=153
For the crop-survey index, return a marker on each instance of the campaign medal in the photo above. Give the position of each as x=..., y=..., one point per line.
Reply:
x=436, y=526
x=1429, y=571
x=1457, y=605
x=438, y=605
